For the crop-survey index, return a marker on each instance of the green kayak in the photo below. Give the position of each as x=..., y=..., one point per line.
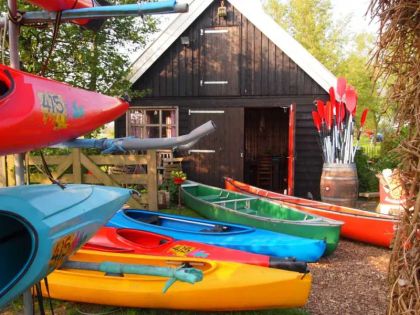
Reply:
x=223, y=205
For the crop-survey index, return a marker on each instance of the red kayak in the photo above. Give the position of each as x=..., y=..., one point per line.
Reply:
x=146, y=243
x=36, y=112
x=60, y=5
x=360, y=225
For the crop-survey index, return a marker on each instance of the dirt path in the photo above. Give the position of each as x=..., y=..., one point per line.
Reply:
x=352, y=281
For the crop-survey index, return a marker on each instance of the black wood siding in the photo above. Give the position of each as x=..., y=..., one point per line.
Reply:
x=267, y=78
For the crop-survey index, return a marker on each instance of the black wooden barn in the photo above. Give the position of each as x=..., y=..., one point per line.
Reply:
x=243, y=71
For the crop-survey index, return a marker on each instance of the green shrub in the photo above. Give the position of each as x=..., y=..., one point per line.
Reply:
x=366, y=173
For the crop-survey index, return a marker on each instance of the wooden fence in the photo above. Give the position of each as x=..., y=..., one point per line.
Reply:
x=80, y=168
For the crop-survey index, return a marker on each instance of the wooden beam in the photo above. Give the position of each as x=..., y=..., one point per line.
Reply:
x=152, y=180
x=10, y=160
x=3, y=172
x=77, y=166
x=118, y=159
x=97, y=172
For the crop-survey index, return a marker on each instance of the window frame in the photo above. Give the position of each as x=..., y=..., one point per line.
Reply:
x=160, y=125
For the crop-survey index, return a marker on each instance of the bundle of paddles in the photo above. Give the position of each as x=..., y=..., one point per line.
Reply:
x=335, y=122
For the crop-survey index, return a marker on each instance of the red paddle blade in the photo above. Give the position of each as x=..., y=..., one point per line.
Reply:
x=321, y=110
x=363, y=118
x=317, y=120
x=332, y=96
x=342, y=112
x=328, y=115
x=351, y=99
x=341, y=87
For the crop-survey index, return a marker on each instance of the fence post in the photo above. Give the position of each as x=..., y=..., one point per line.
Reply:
x=11, y=180
x=3, y=172
x=77, y=166
x=152, y=180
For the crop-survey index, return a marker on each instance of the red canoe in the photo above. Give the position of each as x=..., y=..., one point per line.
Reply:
x=146, y=243
x=60, y=5
x=37, y=112
x=360, y=225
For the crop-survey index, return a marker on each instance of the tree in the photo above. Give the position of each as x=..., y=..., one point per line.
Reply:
x=95, y=61
x=310, y=22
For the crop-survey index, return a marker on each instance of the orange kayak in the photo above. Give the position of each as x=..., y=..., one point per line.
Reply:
x=36, y=112
x=360, y=225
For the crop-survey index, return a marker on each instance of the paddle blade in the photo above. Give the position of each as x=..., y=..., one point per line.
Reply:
x=321, y=110
x=329, y=114
x=341, y=87
x=332, y=96
x=317, y=120
x=342, y=112
x=351, y=99
x=363, y=118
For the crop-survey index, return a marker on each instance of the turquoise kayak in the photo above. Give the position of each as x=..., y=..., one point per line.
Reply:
x=42, y=225
x=234, y=236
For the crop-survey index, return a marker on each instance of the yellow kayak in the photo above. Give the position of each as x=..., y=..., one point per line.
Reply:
x=225, y=285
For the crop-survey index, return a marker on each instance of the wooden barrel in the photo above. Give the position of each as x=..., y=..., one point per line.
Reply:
x=339, y=184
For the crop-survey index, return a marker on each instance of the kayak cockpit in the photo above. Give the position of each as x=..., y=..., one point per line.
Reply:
x=6, y=84
x=143, y=239
x=17, y=245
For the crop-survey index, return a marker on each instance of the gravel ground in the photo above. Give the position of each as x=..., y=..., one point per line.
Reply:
x=351, y=281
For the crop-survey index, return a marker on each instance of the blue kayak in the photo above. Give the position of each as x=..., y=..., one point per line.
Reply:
x=42, y=225
x=221, y=234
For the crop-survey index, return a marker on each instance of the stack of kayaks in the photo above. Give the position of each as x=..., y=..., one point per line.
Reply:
x=225, y=285
x=228, y=206
x=223, y=234
x=37, y=112
x=42, y=225
x=360, y=225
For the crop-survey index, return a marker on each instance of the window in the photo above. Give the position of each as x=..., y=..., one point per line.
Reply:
x=149, y=122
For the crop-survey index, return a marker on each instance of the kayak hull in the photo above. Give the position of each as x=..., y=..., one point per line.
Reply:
x=42, y=225
x=223, y=205
x=228, y=235
x=147, y=243
x=225, y=285
x=37, y=112
x=359, y=225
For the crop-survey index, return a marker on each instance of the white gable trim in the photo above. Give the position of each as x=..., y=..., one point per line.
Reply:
x=255, y=14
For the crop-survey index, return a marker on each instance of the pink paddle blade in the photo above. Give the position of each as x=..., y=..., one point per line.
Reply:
x=363, y=118
x=321, y=110
x=329, y=114
x=317, y=120
x=341, y=87
x=332, y=96
x=351, y=99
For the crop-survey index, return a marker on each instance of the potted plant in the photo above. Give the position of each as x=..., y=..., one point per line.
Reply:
x=178, y=177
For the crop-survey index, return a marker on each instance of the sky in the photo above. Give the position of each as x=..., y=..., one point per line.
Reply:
x=357, y=9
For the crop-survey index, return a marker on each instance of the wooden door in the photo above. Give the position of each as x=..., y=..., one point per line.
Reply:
x=219, y=61
x=220, y=153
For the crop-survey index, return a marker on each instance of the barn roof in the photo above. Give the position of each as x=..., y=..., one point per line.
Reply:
x=254, y=12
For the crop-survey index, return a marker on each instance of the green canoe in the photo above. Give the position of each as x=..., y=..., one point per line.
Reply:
x=223, y=205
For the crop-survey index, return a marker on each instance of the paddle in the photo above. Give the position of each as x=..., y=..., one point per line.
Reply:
x=341, y=87
x=362, y=123
x=317, y=122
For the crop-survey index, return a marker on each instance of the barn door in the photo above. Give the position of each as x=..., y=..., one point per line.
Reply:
x=219, y=61
x=220, y=153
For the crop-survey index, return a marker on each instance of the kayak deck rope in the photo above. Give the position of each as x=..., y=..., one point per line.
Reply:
x=184, y=273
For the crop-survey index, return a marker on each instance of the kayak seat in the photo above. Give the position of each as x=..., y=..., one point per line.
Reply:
x=216, y=228
x=154, y=219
